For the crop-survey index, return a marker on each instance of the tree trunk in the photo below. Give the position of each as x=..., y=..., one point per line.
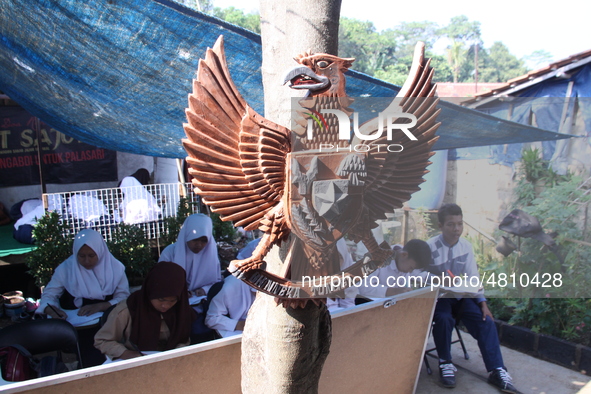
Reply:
x=289, y=28
x=284, y=349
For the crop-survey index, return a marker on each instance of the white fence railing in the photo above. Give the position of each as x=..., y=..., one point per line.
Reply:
x=104, y=209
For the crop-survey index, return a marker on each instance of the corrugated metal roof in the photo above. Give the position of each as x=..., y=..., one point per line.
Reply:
x=559, y=69
x=465, y=89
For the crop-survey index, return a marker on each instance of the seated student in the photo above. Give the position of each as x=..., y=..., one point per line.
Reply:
x=26, y=214
x=155, y=318
x=87, y=208
x=229, y=307
x=138, y=204
x=196, y=251
x=396, y=278
x=92, y=280
x=453, y=255
x=30, y=212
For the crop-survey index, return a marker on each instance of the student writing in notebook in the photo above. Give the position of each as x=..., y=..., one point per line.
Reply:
x=155, y=318
x=90, y=280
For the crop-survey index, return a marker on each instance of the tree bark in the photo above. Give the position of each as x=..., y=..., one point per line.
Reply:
x=284, y=349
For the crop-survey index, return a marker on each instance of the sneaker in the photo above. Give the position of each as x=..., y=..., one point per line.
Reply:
x=447, y=375
x=500, y=377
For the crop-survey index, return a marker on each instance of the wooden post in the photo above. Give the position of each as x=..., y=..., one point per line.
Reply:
x=37, y=125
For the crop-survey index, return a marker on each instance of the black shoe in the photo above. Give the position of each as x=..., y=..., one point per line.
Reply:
x=447, y=375
x=500, y=377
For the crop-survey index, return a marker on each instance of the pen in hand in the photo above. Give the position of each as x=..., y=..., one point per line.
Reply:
x=59, y=315
x=137, y=349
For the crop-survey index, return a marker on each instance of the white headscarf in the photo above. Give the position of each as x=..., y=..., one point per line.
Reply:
x=87, y=207
x=98, y=282
x=202, y=268
x=32, y=211
x=139, y=205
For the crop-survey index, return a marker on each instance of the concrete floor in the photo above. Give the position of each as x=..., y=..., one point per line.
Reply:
x=530, y=375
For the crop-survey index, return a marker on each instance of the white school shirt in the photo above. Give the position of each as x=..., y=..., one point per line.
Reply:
x=230, y=305
x=458, y=259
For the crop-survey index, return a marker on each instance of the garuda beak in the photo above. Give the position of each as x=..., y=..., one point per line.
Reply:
x=302, y=77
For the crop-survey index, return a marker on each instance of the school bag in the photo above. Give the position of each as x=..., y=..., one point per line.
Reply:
x=17, y=364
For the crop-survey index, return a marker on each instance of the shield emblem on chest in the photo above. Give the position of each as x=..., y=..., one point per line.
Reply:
x=325, y=195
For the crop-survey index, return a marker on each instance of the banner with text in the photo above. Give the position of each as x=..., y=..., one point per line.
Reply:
x=62, y=159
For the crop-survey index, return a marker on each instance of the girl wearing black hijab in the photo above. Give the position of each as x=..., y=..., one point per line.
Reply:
x=155, y=318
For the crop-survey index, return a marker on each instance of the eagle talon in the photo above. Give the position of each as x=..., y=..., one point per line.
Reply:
x=244, y=266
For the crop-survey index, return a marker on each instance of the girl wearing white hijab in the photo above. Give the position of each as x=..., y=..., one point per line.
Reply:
x=138, y=205
x=196, y=251
x=92, y=280
x=91, y=276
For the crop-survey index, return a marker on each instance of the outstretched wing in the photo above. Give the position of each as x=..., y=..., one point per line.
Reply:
x=393, y=177
x=236, y=156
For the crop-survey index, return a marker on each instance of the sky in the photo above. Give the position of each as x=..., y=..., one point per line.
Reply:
x=560, y=28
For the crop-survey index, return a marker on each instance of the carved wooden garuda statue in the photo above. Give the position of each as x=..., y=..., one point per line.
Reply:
x=308, y=187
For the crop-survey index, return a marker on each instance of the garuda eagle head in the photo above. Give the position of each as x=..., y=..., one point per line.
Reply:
x=322, y=74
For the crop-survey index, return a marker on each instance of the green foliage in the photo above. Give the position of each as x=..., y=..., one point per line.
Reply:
x=372, y=50
x=461, y=29
x=462, y=34
x=443, y=72
x=222, y=231
x=533, y=165
x=560, y=203
x=237, y=17
x=395, y=73
x=567, y=318
x=534, y=175
x=407, y=34
x=54, y=245
x=559, y=209
x=388, y=54
x=500, y=65
x=173, y=224
x=130, y=246
x=495, y=64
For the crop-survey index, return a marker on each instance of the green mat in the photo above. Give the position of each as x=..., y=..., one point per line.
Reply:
x=9, y=245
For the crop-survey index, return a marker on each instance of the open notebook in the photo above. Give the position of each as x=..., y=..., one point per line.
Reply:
x=81, y=321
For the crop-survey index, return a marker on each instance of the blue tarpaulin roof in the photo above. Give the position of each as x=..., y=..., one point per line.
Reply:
x=116, y=74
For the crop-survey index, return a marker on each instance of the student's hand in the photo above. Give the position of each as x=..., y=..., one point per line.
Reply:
x=199, y=292
x=88, y=310
x=485, y=311
x=130, y=354
x=55, y=312
x=240, y=325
